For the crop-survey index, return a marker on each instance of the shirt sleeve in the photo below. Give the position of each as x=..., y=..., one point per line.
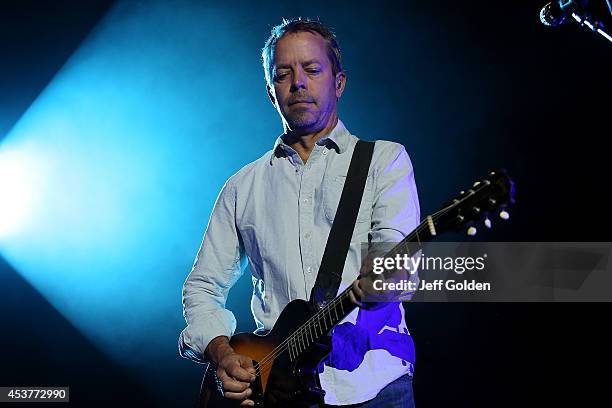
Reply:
x=396, y=211
x=218, y=265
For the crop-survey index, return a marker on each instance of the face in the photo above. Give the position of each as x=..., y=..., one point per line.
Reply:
x=304, y=90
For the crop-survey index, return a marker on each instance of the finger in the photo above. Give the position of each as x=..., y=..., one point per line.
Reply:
x=365, y=292
x=236, y=371
x=359, y=290
x=355, y=301
x=230, y=384
x=359, y=293
x=247, y=403
x=238, y=395
x=247, y=364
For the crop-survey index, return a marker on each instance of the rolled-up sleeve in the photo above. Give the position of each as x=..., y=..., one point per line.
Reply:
x=218, y=265
x=396, y=211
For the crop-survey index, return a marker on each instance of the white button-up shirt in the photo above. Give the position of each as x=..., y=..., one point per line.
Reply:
x=277, y=212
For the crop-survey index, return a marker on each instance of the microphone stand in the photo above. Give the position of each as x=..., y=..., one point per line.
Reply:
x=585, y=20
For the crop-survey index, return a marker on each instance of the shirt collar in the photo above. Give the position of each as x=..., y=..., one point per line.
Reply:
x=338, y=138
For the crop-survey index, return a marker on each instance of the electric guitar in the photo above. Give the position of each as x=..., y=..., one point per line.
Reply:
x=288, y=356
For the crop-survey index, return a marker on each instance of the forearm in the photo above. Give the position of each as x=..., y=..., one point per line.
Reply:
x=217, y=348
x=207, y=319
x=217, y=267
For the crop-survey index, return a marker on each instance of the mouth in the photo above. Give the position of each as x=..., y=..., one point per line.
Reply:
x=300, y=103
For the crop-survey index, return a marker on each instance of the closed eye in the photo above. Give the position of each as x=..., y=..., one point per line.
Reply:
x=280, y=76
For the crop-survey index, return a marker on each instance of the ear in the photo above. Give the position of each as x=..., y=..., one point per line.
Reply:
x=340, y=84
x=271, y=94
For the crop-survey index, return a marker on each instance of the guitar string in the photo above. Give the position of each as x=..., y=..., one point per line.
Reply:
x=282, y=346
x=308, y=325
x=317, y=316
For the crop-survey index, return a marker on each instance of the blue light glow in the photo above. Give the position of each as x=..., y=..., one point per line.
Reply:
x=109, y=177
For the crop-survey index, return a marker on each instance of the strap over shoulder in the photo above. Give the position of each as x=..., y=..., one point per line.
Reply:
x=339, y=239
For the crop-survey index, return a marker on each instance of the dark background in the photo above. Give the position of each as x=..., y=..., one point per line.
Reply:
x=539, y=97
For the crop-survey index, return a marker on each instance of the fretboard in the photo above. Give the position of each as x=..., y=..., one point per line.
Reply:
x=333, y=312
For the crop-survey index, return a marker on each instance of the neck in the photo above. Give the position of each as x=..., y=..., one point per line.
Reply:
x=303, y=142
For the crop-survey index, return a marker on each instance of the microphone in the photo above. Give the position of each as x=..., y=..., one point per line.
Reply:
x=552, y=14
x=556, y=12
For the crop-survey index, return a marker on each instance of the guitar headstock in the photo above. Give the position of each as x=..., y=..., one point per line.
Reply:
x=486, y=197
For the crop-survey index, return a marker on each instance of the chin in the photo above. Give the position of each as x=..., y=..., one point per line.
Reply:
x=301, y=121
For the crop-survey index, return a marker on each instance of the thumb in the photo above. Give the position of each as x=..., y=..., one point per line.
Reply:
x=247, y=364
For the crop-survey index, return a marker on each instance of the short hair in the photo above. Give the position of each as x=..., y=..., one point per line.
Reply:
x=296, y=26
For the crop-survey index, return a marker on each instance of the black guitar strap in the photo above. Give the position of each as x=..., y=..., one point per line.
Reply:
x=338, y=243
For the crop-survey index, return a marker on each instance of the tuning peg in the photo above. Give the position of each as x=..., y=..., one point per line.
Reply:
x=487, y=223
x=471, y=231
x=504, y=215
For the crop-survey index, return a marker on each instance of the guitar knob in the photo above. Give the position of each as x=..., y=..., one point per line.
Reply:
x=472, y=231
x=487, y=223
x=504, y=215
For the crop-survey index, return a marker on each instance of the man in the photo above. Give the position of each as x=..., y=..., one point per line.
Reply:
x=277, y=212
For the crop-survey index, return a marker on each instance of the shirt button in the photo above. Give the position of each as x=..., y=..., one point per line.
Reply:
x=305, y=200
x=325, y=151
x=309, y=269
x=307, y=235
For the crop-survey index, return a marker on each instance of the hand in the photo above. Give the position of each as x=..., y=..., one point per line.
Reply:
x=235, y=371
x=363, y=293
x=362, y=289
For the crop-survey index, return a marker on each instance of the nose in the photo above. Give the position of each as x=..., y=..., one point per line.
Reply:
x=299, y=80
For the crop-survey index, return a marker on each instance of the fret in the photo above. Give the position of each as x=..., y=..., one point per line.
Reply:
x=336, y=311
x=291, y=351
x=301, y=344
x=295, y=347
x=322, y=320
x=313, y=326
x=311, y=335
x=304, y=337
x=326, y=317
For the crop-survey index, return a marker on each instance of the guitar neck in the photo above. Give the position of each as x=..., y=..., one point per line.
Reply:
x=335, y=311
